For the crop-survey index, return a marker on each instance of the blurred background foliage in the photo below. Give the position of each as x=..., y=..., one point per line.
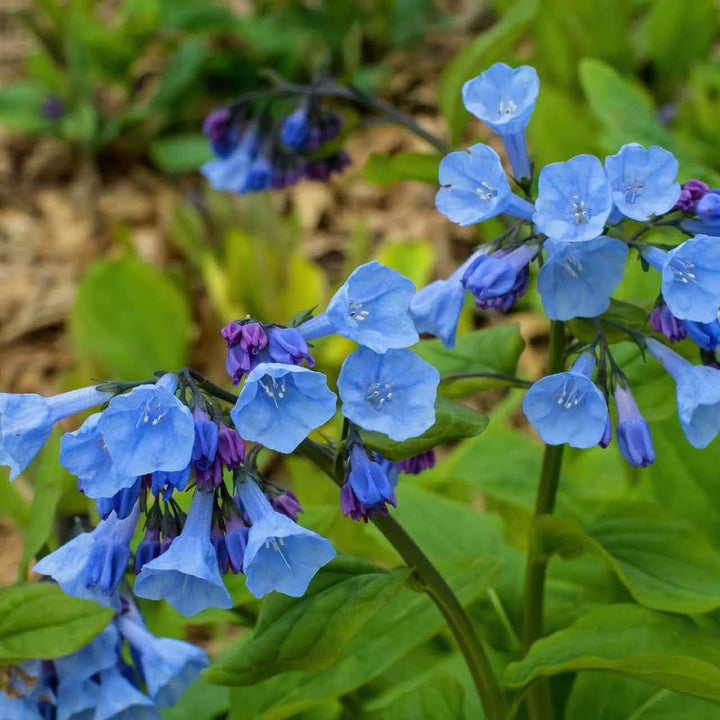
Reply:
x=118, y=91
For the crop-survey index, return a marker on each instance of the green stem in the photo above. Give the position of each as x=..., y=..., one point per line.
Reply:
x=511, y=379
x=538, y=697
x=491, y=697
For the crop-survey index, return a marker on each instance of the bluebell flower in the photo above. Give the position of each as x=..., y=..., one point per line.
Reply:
x=220, y=130
x=690, y=277
x=148, y=549
x=577, y=279
x=186, y=575
x=504, y=98
x=567, y=407
x=295, y=128
x=355, y=509
x=644, y=182
x=83, y=453
x=19, y=708
x=574, y=199
x=372, y=308
x=279, y=405
x=698, y=394
x=122, y=503
x=231, y=172
x=280, y=554
x=77, y=699
x=206, y=440
x=168, y=666
x=166, y=482
x=392, y=393
x=633, y=431
x=707, y=209
x=606, y=439
x=236, y=539
x=99, y=654
x=287, y=503
x=474, y=188
x=663, y=321
x=92, y=564
x=287, y=345
x=26, y=421
x=368, y=479
x=148, y=429
x=705, y=335
x=245, y=341
x=416, y=464
x=119, y=699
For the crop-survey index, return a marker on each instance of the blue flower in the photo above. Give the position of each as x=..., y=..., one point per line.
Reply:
x=392, y=393
x=187, y=574
x=77, y=699
x=119, y=699
x=231, y=172
x=287, y=345
x=26, y=421
x=504, y=98
x=279, y=405
x=707, y=209
x=633, y=431
x=567, y=407
x=368, y=479
x=99, y=654
x=148, y=429
x=574, y=199
x=698, y=394
x=295, y=128
x=91, y=565
x=690, y=277
x=168, y=666
x=474, y=188
x=705, y=335
x=577, y=278
x=18, y=708
x=206, y=440
x=280, y=555
x=123, y=502
x=643, y=182
x=372, y=308
x=84, y=454
x=663, y=321
x=218, y=127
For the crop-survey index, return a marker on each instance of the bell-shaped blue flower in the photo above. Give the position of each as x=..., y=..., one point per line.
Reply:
x=187, y=574
x=231, y=173
x=504, y=98
x=168, y=666
x=279, y=405
x=698, y=394
x=148, y=429
x=690, y=277
x=392, y=393
x=568, y=407
x=368, y=479
x=372, y=308
x=99, y=654
x=287, y=345
x=18, y=708
x=280, y=554
x=644, y=182
x=77, y=699
x=633, y=431
x=26, y=421
x=92, y=564
x=84, y=454
x=119, y=699
x=295, y=128
x=206, y=440
x=707, y=208
x=474, y=188
x=577, y=279
x=574, y=199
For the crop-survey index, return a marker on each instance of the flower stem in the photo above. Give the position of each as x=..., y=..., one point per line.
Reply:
x=538, y=697
x=510, y=379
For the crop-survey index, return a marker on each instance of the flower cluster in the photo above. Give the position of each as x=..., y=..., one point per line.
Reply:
x=98, y=682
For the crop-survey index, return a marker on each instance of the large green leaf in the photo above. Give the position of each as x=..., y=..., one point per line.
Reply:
x=493, y=350
x=453, y=421
x=40, y=621
x=201, y=701
x=384, y=169
x=308, y=633
x=438, y=698
x=666, y=650
x=665, y=562
x=130, y=320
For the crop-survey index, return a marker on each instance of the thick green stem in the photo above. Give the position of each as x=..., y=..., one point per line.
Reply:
x=538, y=697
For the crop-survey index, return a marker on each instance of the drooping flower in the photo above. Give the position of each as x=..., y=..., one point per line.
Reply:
x=186, y=575
x=633, y=431
x=245, y=342
x=504, y=98
x=295, y=128
x=206, y=440
x=417, y=463
x=698, y=394
x=26, y=421
x=355, y=509
x=577, y=279
x=690, y=277
x=663, y=321
x=567, y=407
x=287, y=345
x=643, y=182
x=99, y=654
x=148, y=429
x=368, y=479
x=122, y=502
x=392, y=393
x=372, y=308
x=230, y=448
x=92, y=564
x=279, y=405
x=574, y=199
x=705, y=335
x=230, y=172
x=236, y=539
x=690, y=193
x=280, y=554
x=287, y=503
x=474, y=188
x=219, y=129
x=119, y=699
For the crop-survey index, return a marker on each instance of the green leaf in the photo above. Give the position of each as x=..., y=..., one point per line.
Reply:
x=21, y=107
x=201, y=701
x=619, y=313
x=40, y=621
x=130, y=320
x=384, y=169
x=453, y=421
x=308, y=633
x=477, y=56
x=665, y=563
x=606, y=696
x=180, y=153
x=180, y=72
x=666, y=650
x=438, y=698
x=493, y=350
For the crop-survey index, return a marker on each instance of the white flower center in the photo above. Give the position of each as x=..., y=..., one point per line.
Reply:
x=579, y=212
x=275, y=389
x=507, y=108
x=486, y=191
x=379, y=394
x=632, y=189
x=355, y=311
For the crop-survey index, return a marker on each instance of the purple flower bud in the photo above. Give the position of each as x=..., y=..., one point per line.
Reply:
x=663, y=321
x=287, y=503
x=288, y=346
x=232, y=333
x=219, y=130
x=236, y=538
x=209, y=478
x=217, y=538
x=417, y=463
x=295, y=128
x=633, y=432
x=245, y=343
x=692, y=191
x=230, y=448
x=357, y=510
